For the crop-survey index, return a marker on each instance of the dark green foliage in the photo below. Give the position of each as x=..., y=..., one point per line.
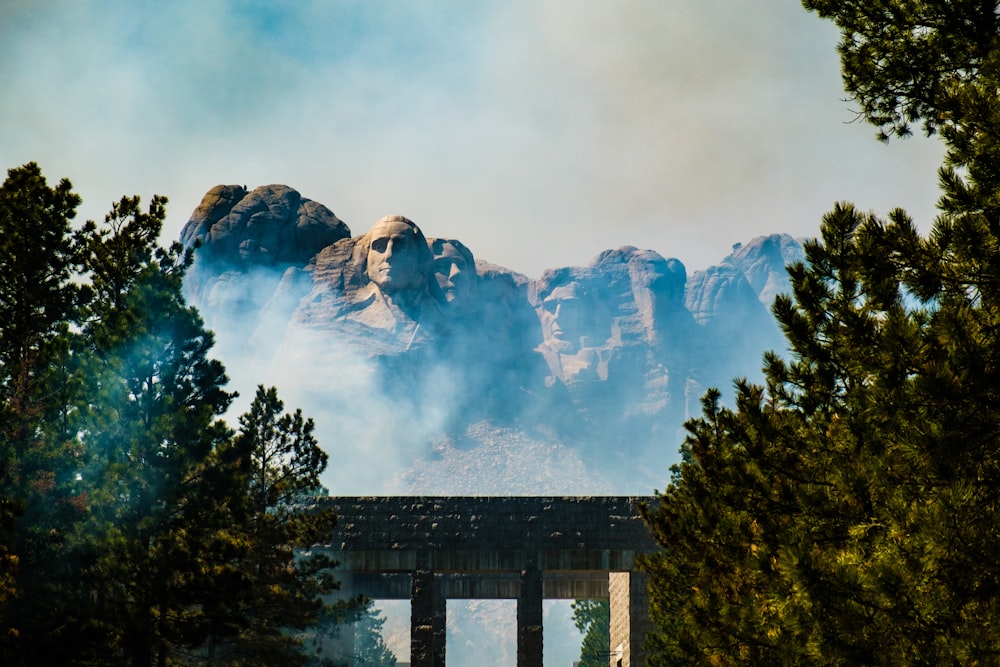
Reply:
x=593, y=619
x=936, y=62
x=843, y=513
x=150, y=423
x=39, y=255
x=281, y=576
x=905, y=61
x=135, y=528
x=846, y=511
x=37, y=297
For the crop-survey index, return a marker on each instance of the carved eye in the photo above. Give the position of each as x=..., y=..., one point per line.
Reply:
x=380, y=245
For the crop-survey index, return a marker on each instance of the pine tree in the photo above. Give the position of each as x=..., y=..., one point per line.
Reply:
x=136, y=527
x=39, y=257
x=844, y=512
x=150, y=425
x=284, y=577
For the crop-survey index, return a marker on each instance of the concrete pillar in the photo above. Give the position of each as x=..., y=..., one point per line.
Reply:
x=440, y=623
x=428, y=621
x=529, y=618
x=629, y=603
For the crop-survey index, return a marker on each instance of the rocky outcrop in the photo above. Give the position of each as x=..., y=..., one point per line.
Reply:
x=731, y=303
x=245, y=240
x=272, y=225
x=762, y=262
x=409, y=343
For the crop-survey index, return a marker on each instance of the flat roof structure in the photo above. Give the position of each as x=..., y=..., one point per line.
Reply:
x=429, y=549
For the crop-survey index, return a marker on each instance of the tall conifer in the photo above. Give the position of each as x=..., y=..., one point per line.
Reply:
x=844, y=512
x=283, y=578
x=148, y=419
x=40, y=255
x=135, y=526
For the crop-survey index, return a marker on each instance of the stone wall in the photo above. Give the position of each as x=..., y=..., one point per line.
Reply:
x=490, y=533
x=431, y=549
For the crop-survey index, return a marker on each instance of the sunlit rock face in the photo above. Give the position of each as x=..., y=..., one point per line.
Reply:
x=429, y=369
x=272, y=225
x=374, y=290
x=246, y=240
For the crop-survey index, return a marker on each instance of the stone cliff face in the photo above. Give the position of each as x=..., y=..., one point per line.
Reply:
x=245, y=241
x=271, y=226
x=447, y=372
x=732, y=304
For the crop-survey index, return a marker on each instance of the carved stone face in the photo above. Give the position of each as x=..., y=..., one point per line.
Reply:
x=454, y=275
x=564, y=317
x=394, y=256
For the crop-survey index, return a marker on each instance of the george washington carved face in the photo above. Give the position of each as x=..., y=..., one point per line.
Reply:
x=398, y=255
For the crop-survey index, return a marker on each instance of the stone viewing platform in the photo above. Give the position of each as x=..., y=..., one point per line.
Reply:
x=528, y=548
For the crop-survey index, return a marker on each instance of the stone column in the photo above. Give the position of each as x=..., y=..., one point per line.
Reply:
x=428, y=621
x=529, y=618
x=629, y=598
x=440, y=622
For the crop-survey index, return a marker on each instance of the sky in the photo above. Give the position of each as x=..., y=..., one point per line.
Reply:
x=538, y=132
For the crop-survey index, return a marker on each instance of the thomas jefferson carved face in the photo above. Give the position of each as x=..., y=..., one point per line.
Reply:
x=394, y=259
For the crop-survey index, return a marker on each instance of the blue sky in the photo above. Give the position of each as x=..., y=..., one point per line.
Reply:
x=539, y=132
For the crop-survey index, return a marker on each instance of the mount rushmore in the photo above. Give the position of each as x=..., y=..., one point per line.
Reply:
x=430, y=370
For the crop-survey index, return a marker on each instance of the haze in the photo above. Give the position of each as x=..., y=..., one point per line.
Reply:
x=539, y=133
